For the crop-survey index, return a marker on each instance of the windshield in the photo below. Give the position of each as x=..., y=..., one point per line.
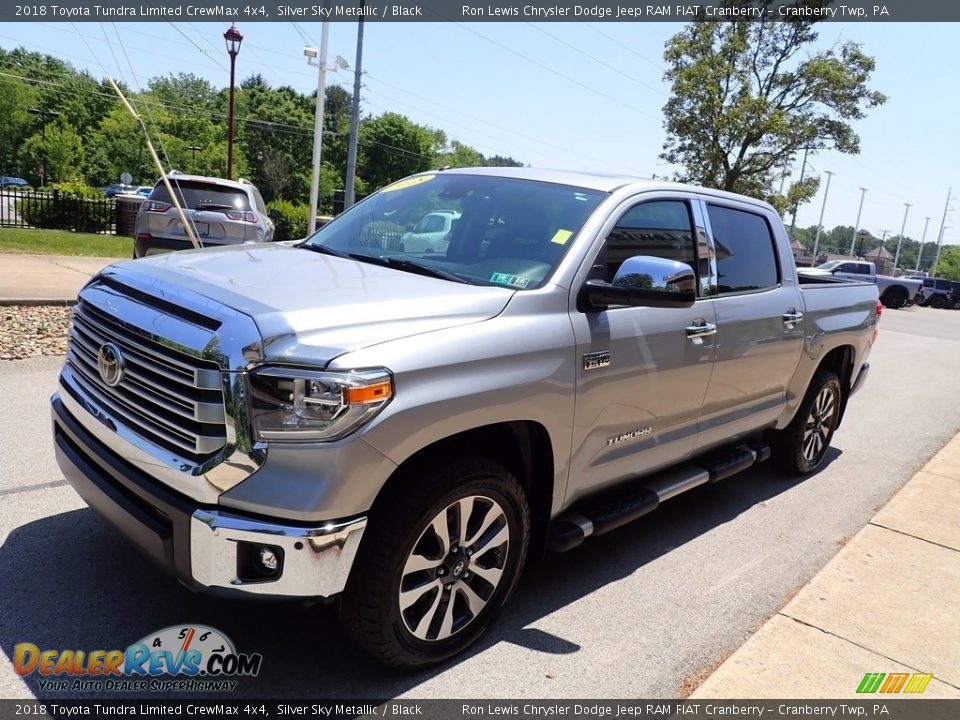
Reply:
x=828, y=265
x=485, y=230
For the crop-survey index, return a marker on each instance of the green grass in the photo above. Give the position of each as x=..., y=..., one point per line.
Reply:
x=63, y=242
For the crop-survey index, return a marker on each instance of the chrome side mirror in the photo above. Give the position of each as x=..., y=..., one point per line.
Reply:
x=648, y=281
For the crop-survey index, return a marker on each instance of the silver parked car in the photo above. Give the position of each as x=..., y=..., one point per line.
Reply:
x=222, y=212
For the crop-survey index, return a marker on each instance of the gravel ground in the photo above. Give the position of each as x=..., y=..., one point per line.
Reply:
x=28, y=331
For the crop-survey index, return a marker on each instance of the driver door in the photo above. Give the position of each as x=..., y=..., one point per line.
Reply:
x=642, y=372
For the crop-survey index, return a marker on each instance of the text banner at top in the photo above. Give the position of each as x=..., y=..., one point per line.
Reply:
x=456, y=10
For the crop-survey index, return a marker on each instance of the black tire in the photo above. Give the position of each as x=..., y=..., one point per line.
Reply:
x=894, y=298
x=795, y=450
x=938, y=301
x=402, y=535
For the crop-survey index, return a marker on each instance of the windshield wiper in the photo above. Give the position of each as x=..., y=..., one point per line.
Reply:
x=402, y=263
x=323, y=249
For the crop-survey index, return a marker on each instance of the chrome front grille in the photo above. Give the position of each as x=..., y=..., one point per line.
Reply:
x=170, y=398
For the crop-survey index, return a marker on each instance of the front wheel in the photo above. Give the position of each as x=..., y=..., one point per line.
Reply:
x=437, y=563
x=801, y=446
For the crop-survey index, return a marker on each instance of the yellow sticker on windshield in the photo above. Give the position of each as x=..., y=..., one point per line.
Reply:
x=561, y=236
x=409, y=182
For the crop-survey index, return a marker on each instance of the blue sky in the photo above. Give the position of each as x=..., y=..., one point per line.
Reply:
x=569, y=95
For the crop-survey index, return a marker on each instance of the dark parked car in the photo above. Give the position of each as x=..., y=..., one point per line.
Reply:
x=13, y=182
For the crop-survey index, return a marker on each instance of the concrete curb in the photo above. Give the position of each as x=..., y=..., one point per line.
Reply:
x=888, y=602
x=36, y=302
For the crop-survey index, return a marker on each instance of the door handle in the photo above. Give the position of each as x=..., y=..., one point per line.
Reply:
x=701, y=330
x=791, y=318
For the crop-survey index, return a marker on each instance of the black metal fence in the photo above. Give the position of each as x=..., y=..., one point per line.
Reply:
x=57, y=211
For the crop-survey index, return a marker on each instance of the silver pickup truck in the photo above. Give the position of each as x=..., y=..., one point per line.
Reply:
x=397, y=432
x=895, y=292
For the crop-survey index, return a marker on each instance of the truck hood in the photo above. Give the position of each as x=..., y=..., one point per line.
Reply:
x=310, y=308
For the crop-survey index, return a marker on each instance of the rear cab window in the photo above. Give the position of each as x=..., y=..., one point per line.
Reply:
x=199, y=195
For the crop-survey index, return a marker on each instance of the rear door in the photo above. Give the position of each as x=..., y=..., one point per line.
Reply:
x=641, y=374
x=759, y=313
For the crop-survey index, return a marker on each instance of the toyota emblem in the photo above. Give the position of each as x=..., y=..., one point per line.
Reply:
x=110, y=364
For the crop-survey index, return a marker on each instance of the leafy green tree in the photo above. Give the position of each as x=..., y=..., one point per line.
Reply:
x=501, y=161
x=59, y=149
x=949, y=264
x=15, y=97
x=393, y=147
x=460, y=155
x=747, y=97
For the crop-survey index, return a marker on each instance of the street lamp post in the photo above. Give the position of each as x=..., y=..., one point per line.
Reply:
x=816, y=241
x=320, y=55
x=896, y=257
x=193, y=156
x=233, y=38
x=856, y=225
x=44, y=114
x=926, y=222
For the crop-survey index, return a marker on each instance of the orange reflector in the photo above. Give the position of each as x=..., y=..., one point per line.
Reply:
x=370, y=393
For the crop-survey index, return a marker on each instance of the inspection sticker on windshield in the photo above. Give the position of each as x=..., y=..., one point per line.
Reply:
x=409, y=182
x=561, y=237
x=507, y=279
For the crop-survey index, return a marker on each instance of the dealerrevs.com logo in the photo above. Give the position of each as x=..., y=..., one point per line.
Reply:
x=200, y=658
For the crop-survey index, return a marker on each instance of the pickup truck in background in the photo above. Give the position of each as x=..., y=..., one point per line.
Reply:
x=397, y=432
x=895, y=292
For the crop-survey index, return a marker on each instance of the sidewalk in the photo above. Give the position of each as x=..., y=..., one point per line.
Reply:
x=45, y=279
x=889, y=602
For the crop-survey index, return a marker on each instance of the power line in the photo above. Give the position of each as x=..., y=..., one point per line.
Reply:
x=598, y=60
x=551, y=70
x=625, y=47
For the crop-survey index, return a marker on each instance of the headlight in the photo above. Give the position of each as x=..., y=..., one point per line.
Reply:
x=307, y=405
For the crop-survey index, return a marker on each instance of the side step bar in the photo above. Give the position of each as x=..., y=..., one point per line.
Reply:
x=612, y=509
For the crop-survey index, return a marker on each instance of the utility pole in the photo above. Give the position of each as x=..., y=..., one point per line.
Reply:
x=946, y=208
x=349, y=194
x=896, y=257
x=312, y=53
x=856, y=225
x=816, y=241
x=926, y=222
x=793, y=222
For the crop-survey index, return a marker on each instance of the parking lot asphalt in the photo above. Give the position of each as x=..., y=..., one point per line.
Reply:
x=641, y=612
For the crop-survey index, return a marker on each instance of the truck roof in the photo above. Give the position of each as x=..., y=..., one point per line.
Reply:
x=603, y=182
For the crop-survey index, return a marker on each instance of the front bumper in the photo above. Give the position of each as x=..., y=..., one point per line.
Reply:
x=204, y=547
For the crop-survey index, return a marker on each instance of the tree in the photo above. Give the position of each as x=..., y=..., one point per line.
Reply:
x=948, y=266
x=744, y=102
x=59, y=149
x=393, y=147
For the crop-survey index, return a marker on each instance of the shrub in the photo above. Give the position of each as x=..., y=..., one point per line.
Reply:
x=293, y=221
x=59, y=211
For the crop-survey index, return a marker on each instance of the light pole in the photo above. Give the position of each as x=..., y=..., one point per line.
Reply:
x=320, y=56
x=933, y=268
x=44, y=114
x=193, y=156
x=896, y=257
x=816, y=241
x=349, y=193
x=856, y=225
x=926, y=222
x=232, y=38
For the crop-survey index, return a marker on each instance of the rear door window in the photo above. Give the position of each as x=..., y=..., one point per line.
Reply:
x=746, y=256
x=199, y=195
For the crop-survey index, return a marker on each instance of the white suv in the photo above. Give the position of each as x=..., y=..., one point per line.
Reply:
x=431, y=234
